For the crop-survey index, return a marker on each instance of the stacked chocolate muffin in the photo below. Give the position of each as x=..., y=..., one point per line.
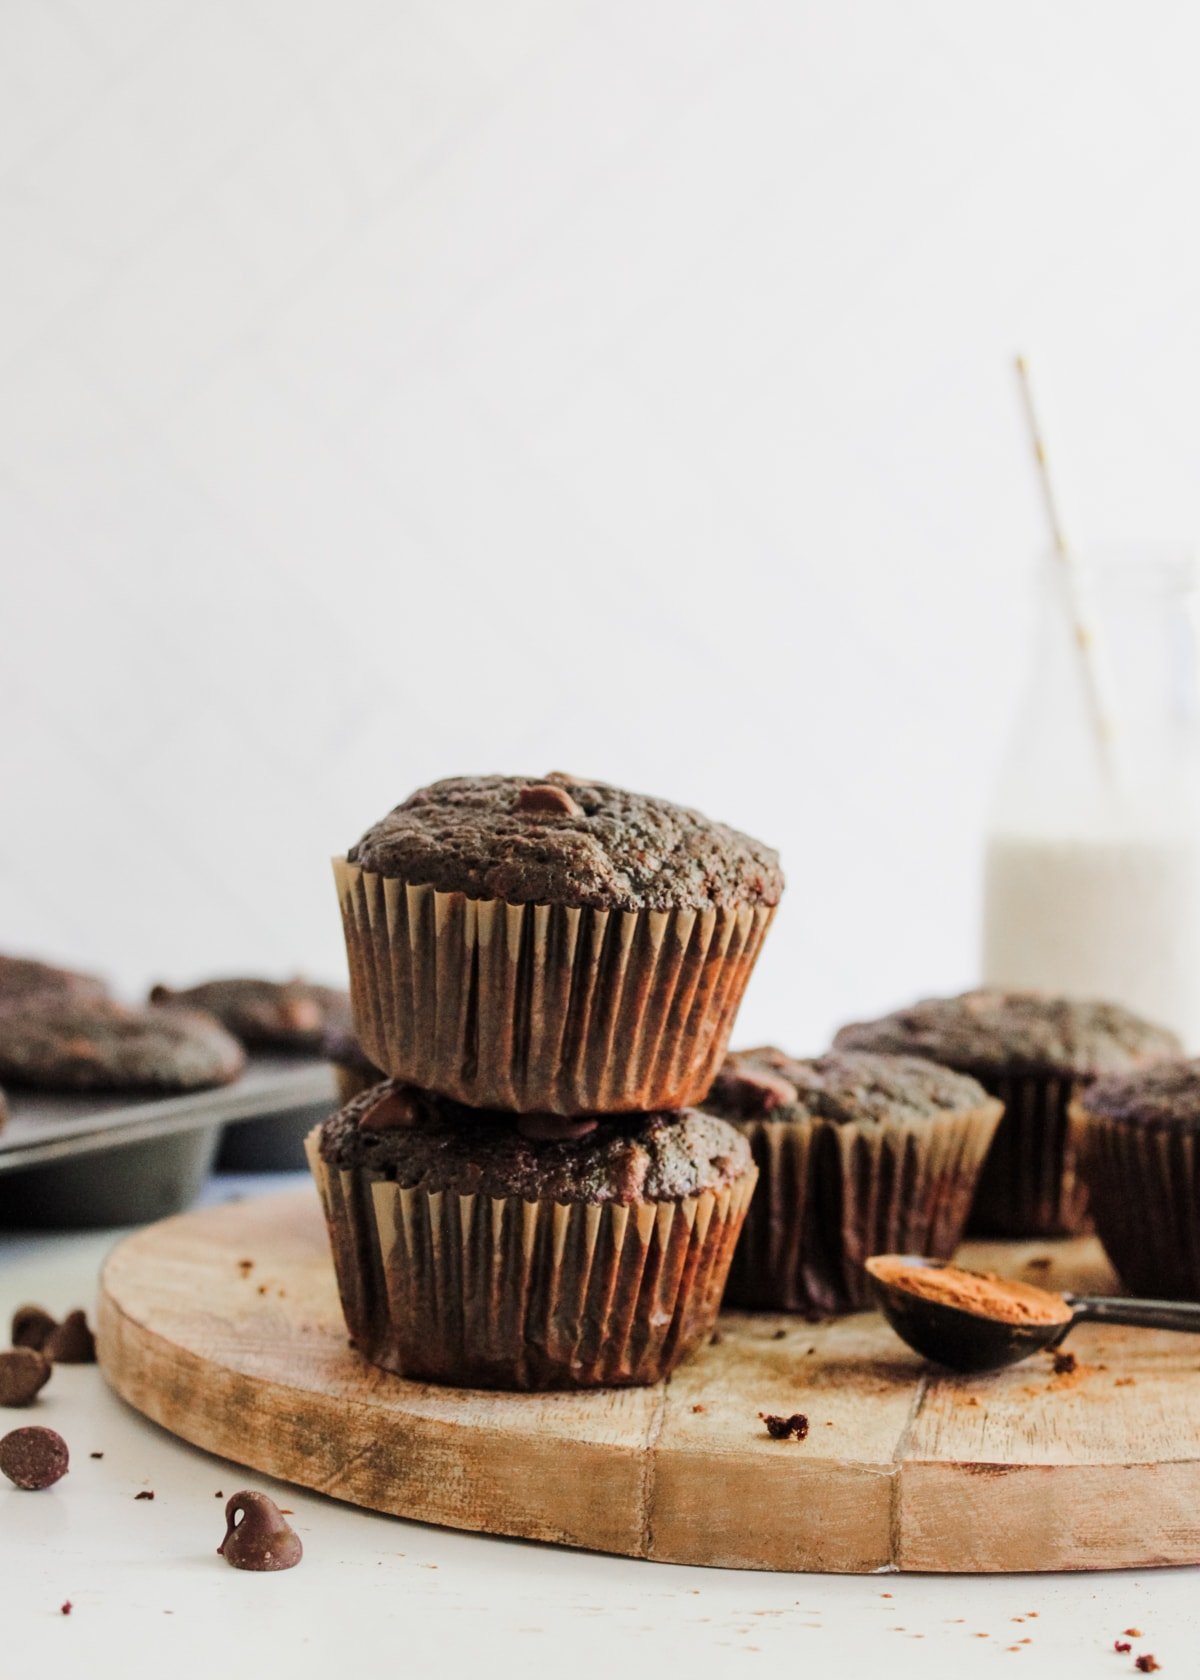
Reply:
x=548, y=971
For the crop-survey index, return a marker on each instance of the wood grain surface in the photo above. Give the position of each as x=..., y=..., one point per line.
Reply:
x=904, y=1467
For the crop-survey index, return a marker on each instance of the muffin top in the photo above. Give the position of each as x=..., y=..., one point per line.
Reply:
x=1167, y=1094
x=847, y=1088
x=24, y=978
x=423, y=1141
x=994, y=1031
x=266, y=1014
x=67, y=1044
x=557, y=840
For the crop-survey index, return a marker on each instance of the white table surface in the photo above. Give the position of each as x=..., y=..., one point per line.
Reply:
x=151, y=1597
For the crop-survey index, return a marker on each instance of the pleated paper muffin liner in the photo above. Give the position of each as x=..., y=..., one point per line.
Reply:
x=1144, y=1188
x=496, y=1292
x=352, y=1081
x=1030, y=1186
x=830, y=1195
x=543, y=1008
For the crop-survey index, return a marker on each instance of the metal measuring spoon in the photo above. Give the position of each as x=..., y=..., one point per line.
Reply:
x=969, y=1340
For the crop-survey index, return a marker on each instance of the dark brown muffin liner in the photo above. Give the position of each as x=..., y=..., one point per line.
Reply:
x=543, y=1008
x=1144, y=1187
x=496, y=1292
x=1030, y=1186
x=830, y=1195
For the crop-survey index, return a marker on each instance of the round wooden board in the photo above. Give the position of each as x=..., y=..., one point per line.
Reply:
x=224, y=1327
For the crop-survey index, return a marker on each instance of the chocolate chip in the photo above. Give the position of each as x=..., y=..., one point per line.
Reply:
x=544, y=799
x=554, y=1128
x=23, y=1372
x=793, y=1428
x=263, y=1539
x=31, y=1326
x=392, y=1112
x=71, y=1342
x=34, y=1457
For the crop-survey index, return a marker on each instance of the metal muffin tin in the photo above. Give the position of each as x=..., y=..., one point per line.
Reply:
x=116, y=1159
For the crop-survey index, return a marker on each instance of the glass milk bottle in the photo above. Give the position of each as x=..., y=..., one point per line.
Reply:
x=1093, y=856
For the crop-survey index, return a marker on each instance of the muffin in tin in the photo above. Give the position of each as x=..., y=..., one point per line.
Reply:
x=1034, y=1052
x=1137, y=1137
x=552, y=945
x=287, y=1015
x=483, y=1250
x=857, y=1154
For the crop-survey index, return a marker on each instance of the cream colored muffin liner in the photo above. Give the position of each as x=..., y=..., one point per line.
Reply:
x=830, y=1195
x=542, y=1008
x=352, y=1081
x=1144, y=1189
x=497, y=1292
x=1029, y=1186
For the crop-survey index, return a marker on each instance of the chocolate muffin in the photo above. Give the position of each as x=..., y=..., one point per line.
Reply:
x=1137, y=1137
x=479, y=1249
x=23, y=979
x=857, y=1155
x=353, y=1069
x=1032, y=1051
x=69, y=1045
x=552, y=945
x=292, y=1015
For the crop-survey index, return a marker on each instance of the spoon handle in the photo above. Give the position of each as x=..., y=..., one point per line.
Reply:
x=1147, y=1315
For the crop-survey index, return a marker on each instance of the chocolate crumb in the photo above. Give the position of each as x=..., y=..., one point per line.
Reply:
x=1122, y=1645
x=1064, y=1362
x=779, y=1336
x=263, y=1539
x=95, y=1455
x=1125, y=1382
x=245, y=1266
x=1146, y=1664
x=30, y=1327
x=218, y=1494
x=715, y=1339
x=1039, y=1263
x=146, y=1493
x=1134, y=1633
x=66, y=1607
x=262, y=1289
x=71, y=1342
x=793, y=1428
x=699, y=1408
x=33, y=1457
x=24, y=1372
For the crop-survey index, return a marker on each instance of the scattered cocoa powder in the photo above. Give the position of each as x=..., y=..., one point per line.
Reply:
x=981, y=1293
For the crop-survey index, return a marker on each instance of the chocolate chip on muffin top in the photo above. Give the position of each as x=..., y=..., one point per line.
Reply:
x=559, y=840
x=420, y=1141
x=1167, y=1094
x=990, y=1030
x=845, y=1087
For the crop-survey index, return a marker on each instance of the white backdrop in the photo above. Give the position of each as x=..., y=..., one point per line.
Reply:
x=391, y=390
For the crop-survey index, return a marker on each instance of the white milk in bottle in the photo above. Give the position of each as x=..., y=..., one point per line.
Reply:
x=1093, y=860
